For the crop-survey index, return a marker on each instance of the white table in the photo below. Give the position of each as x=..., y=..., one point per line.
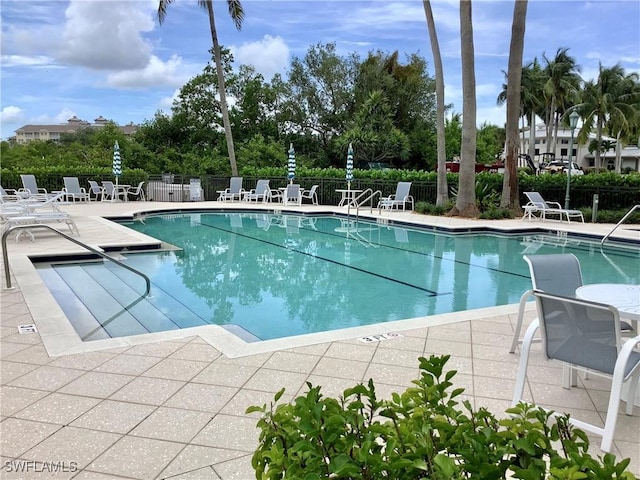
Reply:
x=348, y=196
x=625, y=297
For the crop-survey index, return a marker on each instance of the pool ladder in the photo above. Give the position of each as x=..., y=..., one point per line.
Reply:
x=366, y=196
x=628, y=214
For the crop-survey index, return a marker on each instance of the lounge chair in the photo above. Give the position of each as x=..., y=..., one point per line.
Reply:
x=311, y=194
x=261, y=193
x=539, y=206
x=73, y=191
x=292, y=195
x=398, y=199
x=137, y=192
x=234, y=192
x=584, y=335
x=30, y=186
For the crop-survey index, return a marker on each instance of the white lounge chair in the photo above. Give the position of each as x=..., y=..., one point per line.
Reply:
x=73, y=191
x=584, y=335
x=261, y=193
x=539, y=206
x=234, y=192
x=30, y=186
x=398, y=199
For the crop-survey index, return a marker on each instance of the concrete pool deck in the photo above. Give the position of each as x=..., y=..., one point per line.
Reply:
x=172, y=405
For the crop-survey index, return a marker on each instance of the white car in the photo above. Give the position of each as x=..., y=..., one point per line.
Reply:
x=558, y=166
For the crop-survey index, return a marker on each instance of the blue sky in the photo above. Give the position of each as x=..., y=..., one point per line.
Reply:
x=111, y=58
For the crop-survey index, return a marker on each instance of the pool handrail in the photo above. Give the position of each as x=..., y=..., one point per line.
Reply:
x=5, y=255
x=634, y=208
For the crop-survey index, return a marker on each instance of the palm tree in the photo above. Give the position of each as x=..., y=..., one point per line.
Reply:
x=607, y=101
x=510, y=197
x=237, y=15
x=561, y=86
x=466, y=200
x=442, y=189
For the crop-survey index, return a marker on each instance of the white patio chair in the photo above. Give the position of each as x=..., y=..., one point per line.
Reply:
x=292, y=195
x=112, y=193
x=137, y=192
x=584, y=335
x=234, y=192
x=30, y=187
x=261, y=193
x=311, y=194
x=73, y=191
x=398, y=199
x=95, y=190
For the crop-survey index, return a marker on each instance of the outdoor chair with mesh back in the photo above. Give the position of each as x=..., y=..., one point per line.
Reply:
x=292, y=195
x=311, y=194
x=259, y=194
x=30, y=186
x=584, y=335
x=539, y=206
x=398, y=199
x=95, y=190
x=73, y=191
x=559, y=274
x=234, y=192
x=137, y=192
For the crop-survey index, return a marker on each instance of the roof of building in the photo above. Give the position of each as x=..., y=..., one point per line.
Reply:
x=73, y=125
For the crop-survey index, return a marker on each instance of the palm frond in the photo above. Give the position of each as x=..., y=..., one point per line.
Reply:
x=236, y=11
x=162, y=9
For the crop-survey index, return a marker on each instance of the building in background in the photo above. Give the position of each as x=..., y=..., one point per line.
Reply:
x=29, y=133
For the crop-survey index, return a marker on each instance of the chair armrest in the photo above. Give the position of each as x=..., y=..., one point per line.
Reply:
x=554, y=205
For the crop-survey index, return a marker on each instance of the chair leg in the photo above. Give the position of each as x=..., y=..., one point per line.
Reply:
x=518, y=391
x=516, y=335
x=631, y=394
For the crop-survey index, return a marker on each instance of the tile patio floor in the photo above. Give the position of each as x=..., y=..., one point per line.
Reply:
x=175, y=408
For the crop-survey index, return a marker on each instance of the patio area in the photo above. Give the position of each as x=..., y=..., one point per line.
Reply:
x=171, y=405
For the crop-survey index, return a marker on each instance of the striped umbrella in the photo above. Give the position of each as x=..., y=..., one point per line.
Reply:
x=117, y=163
x=291, y=167
x=349, y=166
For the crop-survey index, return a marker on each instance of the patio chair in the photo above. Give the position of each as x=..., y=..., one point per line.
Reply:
x=111, y=192
x=30, y=186
x=137, y=192
x=398, y=199
x=261, y=193
x=234, y=192
x=72, y=190
x=95, y=190
x=311, y=194
x=584, y=335
x=539, y=206
x=292, y=195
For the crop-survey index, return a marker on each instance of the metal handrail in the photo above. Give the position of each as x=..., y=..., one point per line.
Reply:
x=5, y=255
x=634, y=208
x=359, y=203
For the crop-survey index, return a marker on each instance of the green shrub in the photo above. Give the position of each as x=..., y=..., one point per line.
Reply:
x=427, y=208
x=422, y=433
x=496, y=213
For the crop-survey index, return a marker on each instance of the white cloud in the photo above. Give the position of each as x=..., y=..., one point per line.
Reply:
x=106, y=35
x=12, y=114
x=25, y=61
x=167, y=102
x=269, y=56
x=61, y=117
x=155, y=73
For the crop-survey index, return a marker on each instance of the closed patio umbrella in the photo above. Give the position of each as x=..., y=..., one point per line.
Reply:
x=291, y=166
x=117, y=163
x=349, y=175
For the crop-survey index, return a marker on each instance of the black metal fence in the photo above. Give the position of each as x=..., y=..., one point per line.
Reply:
x=174, y=187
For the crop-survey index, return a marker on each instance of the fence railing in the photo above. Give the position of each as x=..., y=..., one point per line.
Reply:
x=610, y=198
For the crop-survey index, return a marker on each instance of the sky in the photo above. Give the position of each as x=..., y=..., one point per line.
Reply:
x=111, y=58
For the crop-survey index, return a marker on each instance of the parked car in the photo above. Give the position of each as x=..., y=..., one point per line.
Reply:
x=558, y=166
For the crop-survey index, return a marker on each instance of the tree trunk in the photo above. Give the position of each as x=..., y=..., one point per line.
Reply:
x=618, y=161
x=466, y=201
x=442, y=195
x=532, y=140
x=222, y=91
x=597, y=159
x=510, y=195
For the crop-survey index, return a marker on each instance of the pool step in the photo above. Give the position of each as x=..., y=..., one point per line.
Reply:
x=105, y=300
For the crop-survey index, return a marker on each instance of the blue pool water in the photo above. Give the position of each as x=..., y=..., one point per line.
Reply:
x=271, y=276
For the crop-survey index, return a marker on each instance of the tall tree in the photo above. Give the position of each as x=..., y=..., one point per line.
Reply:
x=442, y=189
x=510, y=197
x=563, y=82
x=237, y=15
x=466, y=200
x=607, y=101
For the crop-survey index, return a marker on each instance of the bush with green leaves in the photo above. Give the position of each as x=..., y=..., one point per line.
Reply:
x=422, y=433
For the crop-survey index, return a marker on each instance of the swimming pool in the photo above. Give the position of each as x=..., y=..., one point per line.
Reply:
x=264, y=276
